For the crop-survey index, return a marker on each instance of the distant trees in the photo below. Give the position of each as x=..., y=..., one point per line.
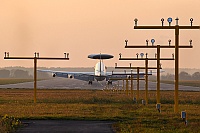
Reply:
x=21, y=74
x=28, y=73
x=168, y=77
x=182, y=76
x=196, y=76
x=43, y=75
x=4, y=73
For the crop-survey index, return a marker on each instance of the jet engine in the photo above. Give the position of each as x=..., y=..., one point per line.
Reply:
x=53, y=74
x=70, y=76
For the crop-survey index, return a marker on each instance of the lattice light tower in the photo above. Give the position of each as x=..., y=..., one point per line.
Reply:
x=131, y=78
x=176, y=46
x=146, y=68
x=146, y=59
x=35, y=58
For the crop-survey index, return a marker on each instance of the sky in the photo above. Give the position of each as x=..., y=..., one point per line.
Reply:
x=83, y=27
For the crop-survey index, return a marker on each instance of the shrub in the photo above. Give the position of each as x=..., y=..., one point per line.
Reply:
x=9, y=124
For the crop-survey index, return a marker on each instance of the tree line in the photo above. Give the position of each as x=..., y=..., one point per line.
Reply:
x=182, y=76
x=17, y=73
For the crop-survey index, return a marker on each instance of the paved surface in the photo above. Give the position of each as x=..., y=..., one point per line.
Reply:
x=66, y=126
x=57, y=83
x=64, y=83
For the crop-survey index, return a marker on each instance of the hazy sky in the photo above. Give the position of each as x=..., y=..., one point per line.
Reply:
x=83, y=27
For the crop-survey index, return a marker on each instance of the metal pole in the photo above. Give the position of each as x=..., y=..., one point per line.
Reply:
x=176, y=27
x=131, y=85
x=123, y=86
x=138, y=83
x=158, y=73
x=35, y=58
x=118, y=85
x=127, y=87
x=35, y=78
x=176, y=68
x=146, y=80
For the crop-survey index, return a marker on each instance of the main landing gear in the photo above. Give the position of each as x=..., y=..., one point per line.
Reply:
x=90, y=82
x=109, y=82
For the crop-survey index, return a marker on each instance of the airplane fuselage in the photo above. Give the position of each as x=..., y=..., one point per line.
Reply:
x=100, y=71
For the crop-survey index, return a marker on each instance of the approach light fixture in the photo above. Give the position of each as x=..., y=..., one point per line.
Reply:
x=173, y=55
x=191, y=21
x=126, y=41
x=35, y=54
x=142, y=55
x=147, y=42
x=169, y=21
x=38, y=55
x=6, y=54
x=190, y=42
x=136, y=20
x=162, y=20
x=66, y=55
x=169, y=41
x=152, y=41
x=177, y=20
x=146, y=54
x=137, y=55
x=120, y=55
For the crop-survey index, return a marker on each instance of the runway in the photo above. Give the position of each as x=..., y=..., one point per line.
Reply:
x=64, y=83
x=66, y=126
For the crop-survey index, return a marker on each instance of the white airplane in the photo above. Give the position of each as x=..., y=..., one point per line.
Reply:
x=99, y=73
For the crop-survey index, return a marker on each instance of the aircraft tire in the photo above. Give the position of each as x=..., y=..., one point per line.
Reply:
x=90, y=82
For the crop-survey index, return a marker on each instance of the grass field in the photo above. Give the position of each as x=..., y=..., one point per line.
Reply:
x=194, y=83
x=14, y=81
x=105, y=105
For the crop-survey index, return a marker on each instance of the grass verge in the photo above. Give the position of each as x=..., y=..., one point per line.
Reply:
x=4, y=81
x=194, y=83
x=105, y=105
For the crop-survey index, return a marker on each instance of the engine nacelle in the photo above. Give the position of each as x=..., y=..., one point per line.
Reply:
x=53, y=75
x=70, y=76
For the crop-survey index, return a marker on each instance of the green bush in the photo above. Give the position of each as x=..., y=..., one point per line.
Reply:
x=9, y=124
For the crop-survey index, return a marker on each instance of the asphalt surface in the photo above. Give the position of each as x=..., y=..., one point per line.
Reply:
x=66, y=126
x=64, y=83
x=57, y=83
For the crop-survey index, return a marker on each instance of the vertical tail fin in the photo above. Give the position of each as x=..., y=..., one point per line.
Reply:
x=100, y=64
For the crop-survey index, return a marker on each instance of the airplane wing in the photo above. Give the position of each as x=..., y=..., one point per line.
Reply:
x=127, y=73
x=86, y=76
x=123, y=75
